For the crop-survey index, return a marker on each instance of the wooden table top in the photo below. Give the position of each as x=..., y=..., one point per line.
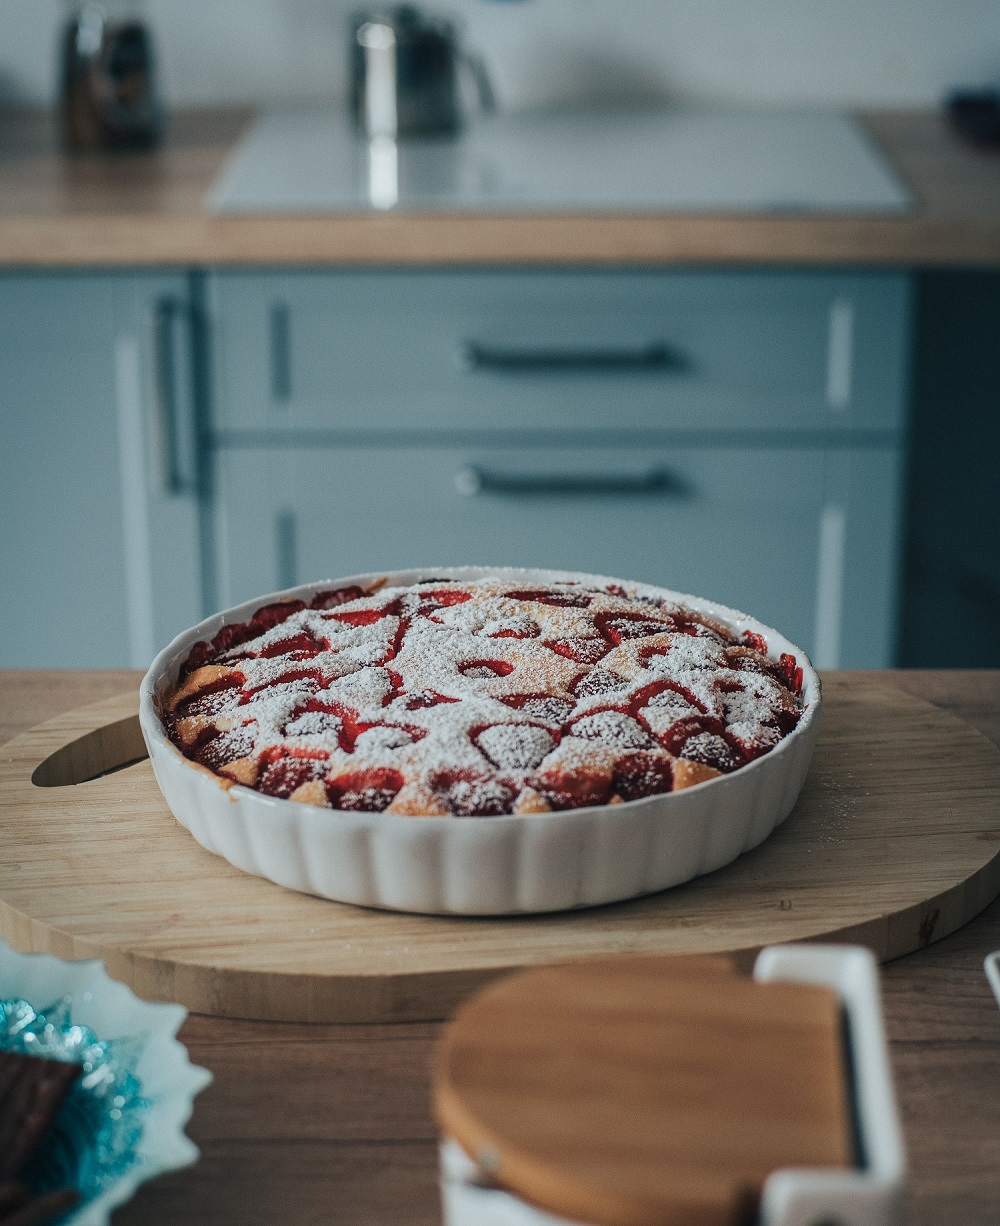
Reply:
x=148, y=209
x=320, y=1123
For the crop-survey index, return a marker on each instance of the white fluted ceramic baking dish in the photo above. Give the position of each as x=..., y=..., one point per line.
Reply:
x=474, y=865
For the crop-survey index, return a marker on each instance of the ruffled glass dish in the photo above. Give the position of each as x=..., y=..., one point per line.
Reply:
x=123, y=1121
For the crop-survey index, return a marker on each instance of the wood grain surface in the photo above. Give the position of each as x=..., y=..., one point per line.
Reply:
x=149, y=209
x=894, y=842
x=645, y=1091
x=318, y=1123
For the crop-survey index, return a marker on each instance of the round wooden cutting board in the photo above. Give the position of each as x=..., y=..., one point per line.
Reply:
x=894, y=843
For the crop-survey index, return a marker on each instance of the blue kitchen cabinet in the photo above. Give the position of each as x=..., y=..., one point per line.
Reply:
x=567, y=352
x=174, y=443
x=99, y=546
x=737, y=435
x=760, y=529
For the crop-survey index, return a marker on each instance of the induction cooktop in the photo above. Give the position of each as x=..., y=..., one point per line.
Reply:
x=677, y=159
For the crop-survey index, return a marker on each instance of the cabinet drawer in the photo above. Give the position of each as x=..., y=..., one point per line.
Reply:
x=418, y=351
x=750, y=528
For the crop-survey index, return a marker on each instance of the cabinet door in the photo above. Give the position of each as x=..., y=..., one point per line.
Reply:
x=96, y=560
x=767, y=530
x=163, y=454
x=561, y=351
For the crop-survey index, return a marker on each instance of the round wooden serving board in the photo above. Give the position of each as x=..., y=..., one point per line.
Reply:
x=894, y=843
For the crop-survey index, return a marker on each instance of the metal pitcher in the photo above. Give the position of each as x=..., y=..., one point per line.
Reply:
x=405, y=74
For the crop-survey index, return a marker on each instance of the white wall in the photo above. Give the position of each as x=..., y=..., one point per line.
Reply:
x=885, y=52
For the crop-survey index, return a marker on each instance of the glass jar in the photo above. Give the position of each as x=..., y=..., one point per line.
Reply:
x=109, y=96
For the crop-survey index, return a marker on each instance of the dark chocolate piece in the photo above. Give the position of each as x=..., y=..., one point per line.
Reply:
x=12, y=1196
x=42, y=1208
x=32, y=1091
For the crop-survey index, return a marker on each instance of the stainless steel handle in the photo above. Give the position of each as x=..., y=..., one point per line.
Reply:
x=380, y=113
x=472, y=481
x=475, y=355
x=172, y=316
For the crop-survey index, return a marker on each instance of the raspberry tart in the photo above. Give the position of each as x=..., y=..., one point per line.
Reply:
x=464, y=716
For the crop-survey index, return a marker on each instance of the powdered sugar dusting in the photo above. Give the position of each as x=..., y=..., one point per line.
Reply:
x=475, y=693
x=612, y=728
x=515, y=746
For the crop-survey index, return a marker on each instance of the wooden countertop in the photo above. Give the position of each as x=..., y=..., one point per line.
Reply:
x=148, y=209
x=318, y=1123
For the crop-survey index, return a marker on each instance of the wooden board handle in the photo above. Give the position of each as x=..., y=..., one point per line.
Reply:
x=97, y=753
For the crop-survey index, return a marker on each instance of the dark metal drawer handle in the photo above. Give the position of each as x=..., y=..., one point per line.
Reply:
x=281, y=354
x=472, y=481
x=474, y=355
x=171, y=321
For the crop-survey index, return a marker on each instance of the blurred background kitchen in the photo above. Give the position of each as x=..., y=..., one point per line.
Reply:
x=701, y=294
